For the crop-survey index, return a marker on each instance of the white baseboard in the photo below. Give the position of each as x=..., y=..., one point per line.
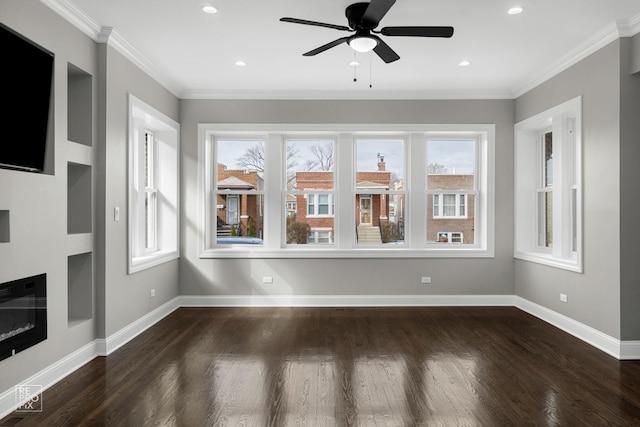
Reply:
x=114, y=341
x=630, y=350
x=49, y=376
x=344, y=300
x=622, y=350
x=594, y=337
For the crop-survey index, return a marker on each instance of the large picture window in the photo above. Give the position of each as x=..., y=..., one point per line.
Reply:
x=341, y=190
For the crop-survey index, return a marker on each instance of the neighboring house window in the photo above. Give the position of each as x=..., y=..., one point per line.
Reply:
x=153, y=180
x=347, y=190
x=548, y=180
x=319, y=205
x=450, y=237
x=449, y=205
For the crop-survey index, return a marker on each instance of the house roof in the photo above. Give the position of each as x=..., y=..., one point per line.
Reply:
x=234, y=183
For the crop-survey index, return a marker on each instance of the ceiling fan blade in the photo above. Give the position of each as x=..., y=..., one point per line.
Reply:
x=317, y=24
x=326, y=46
x=418, y=31
x=385, y=52
x=376, y=11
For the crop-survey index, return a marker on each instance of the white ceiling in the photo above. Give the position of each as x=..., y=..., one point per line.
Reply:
x=193, y=54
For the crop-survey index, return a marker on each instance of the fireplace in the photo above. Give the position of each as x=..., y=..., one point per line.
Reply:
x=23, y=314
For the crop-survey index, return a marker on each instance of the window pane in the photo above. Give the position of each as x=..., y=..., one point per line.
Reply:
x=548, y=159
x=463, y=225
x=380, y=170
x=309, y=165
x=239, y=183
x=451, y=164
x=449, y=205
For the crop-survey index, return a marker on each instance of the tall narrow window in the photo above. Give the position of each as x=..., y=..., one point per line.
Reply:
x=451, y=187
x=548, y=177
x=238, y=191
x=309, y=165
x=380, y=191
x=153, y=180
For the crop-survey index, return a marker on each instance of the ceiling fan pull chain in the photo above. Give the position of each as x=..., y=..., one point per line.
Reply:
x=370, y=72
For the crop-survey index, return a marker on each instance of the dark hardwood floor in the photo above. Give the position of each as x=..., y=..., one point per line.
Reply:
x=464, y=366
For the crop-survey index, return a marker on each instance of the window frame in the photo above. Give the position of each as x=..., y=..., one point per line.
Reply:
x=165, y=165
x=457, y=206
x=344, y=244
x=565, y=121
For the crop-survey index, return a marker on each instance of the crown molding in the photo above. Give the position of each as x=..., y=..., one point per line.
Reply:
x=353, y=95
x=101, y=34
x=107, y=35
x=612, y=32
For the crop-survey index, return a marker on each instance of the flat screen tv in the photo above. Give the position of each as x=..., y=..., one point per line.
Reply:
x=26, y=75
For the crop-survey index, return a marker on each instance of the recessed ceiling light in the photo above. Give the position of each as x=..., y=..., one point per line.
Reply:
x=209, y=9
x=354, y=63
x=515, y=10
x=241, y=63
x=464, y=63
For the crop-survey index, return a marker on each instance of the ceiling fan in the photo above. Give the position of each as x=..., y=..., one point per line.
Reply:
x=363, y=19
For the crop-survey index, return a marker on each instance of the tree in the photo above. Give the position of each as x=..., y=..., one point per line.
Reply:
x=436, y=169
x=253, y=159
x=323, y=156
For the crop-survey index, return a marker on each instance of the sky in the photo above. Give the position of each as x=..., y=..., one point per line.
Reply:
x=455, y=156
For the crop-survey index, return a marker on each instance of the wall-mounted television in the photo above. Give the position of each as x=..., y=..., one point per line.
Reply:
x=26, y=76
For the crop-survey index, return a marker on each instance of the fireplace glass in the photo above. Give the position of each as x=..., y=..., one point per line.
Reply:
x=23, y=314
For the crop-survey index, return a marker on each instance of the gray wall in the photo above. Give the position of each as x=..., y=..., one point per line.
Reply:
x=125, y=297
x=593, y=297
x=38, y=203
x=347, y=276
x=629, y=200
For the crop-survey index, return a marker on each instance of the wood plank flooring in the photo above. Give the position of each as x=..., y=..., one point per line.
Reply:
x=454, y=366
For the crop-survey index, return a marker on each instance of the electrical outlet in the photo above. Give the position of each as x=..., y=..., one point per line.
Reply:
x=267, y=279
x=425, y=280
x=563, y=297
x=152, y=293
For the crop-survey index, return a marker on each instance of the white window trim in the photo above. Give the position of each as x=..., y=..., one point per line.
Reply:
x=565, y=120
x=415, y=246
x=143, y=117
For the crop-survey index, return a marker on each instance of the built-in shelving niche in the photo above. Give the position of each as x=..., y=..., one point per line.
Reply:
x=80, y=288
x=79, y=213
x=79, y=106
x=79, y=195
x=4, y=227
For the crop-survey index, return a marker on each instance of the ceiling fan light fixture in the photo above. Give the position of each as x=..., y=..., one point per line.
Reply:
x=363, y=44
x=207, y=8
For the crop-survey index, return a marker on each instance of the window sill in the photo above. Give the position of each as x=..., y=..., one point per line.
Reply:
x=570, y=264
x=327, y=252
x=147, y=261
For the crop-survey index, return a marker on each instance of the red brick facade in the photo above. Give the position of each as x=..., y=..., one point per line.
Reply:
x=447, y=225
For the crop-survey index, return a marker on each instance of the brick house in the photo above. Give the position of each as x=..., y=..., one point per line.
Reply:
x=317, y=210
x=450, y=216
x=239, y=210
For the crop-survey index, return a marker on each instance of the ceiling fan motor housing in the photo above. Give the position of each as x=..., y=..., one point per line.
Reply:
x=354, y=14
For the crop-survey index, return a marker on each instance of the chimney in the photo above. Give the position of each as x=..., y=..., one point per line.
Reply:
x=381, y=164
